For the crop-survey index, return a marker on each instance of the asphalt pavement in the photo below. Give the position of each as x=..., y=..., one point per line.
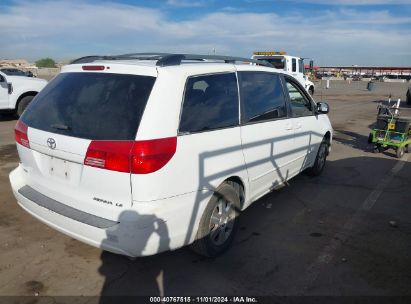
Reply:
x=346, y=232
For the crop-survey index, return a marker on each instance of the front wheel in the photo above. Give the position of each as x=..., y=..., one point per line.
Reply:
x=320, y=159
x=219, y=222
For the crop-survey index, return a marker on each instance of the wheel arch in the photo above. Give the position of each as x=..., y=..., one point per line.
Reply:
x=25, y=94
x=327, y=137
x=311, y=89
x=239, y=186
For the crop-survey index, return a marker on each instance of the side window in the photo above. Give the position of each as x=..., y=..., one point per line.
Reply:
x=262, y=96
x=301, y=66
x=294, y=62
x=210, y=102
x=300, y=104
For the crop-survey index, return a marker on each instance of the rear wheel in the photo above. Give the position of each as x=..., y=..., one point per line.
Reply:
x=219, y=222
x=24, y=102
x=320, y=159
x=400, y=152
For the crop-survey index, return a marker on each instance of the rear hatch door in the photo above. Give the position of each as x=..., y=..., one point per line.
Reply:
x=77, y=111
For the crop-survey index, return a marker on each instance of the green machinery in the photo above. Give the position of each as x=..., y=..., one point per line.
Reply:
x=391, y=131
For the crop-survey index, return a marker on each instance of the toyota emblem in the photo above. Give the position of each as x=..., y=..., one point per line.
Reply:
x=51, y=143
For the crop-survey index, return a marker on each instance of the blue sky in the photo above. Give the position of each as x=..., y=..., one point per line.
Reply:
x=345, y=32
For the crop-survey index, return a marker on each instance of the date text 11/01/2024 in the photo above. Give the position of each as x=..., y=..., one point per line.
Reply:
x=239, y=299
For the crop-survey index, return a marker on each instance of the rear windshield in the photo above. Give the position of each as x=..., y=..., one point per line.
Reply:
x=277, y=62
x=100, y=106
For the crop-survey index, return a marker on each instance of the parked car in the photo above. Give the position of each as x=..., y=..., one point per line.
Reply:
x=138, y=154
x=370, y=76
x=16, y=92
x=404, y=77
x=16, y=72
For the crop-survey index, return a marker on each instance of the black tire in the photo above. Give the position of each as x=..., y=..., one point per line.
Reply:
x=320, y=159
x=400, y=152
x=378, y=148
x=370, y=138
x=208, y=242
x=311, y=91
x=23, y=103
x=375, y=149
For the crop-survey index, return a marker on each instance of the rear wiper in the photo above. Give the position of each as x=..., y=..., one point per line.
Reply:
x=60, y=127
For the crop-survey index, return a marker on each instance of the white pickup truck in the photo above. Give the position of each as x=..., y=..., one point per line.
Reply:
x=292, y=64
x=16, y=92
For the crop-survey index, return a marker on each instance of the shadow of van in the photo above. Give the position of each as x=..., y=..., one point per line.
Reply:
x=133, y=235
x=259, y=260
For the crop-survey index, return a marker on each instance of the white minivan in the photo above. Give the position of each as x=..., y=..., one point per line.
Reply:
x=142, y=153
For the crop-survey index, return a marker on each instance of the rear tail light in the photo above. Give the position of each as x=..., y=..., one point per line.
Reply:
x=151, y=155
x=20, y=133
x=138, y=157
x=110, y=155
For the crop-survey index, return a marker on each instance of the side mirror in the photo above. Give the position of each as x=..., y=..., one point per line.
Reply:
x=9, y=88
x=323, y=108
x=2, y=79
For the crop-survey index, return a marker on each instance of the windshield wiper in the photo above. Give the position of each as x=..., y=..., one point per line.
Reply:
x=60, y=127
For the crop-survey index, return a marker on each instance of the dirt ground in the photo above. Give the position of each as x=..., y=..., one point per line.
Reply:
x=347, y=232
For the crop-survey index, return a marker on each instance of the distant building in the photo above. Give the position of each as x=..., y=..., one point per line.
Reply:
x=15, y=63
x=20, y=64
x=363, y=70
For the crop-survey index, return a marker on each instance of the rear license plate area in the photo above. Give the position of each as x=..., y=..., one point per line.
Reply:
x=59, y=168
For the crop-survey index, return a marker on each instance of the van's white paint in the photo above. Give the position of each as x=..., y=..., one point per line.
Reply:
x=162, y=210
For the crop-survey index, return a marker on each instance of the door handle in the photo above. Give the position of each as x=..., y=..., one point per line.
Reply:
x=289, y=126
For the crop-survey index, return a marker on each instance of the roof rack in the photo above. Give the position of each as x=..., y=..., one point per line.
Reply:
x=87, y=59
x=140, y=56
x=167, y=59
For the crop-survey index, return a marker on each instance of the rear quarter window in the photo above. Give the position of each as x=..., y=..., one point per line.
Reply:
x=100, y=106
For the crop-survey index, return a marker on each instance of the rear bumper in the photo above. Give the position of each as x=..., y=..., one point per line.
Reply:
x=146, y=229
